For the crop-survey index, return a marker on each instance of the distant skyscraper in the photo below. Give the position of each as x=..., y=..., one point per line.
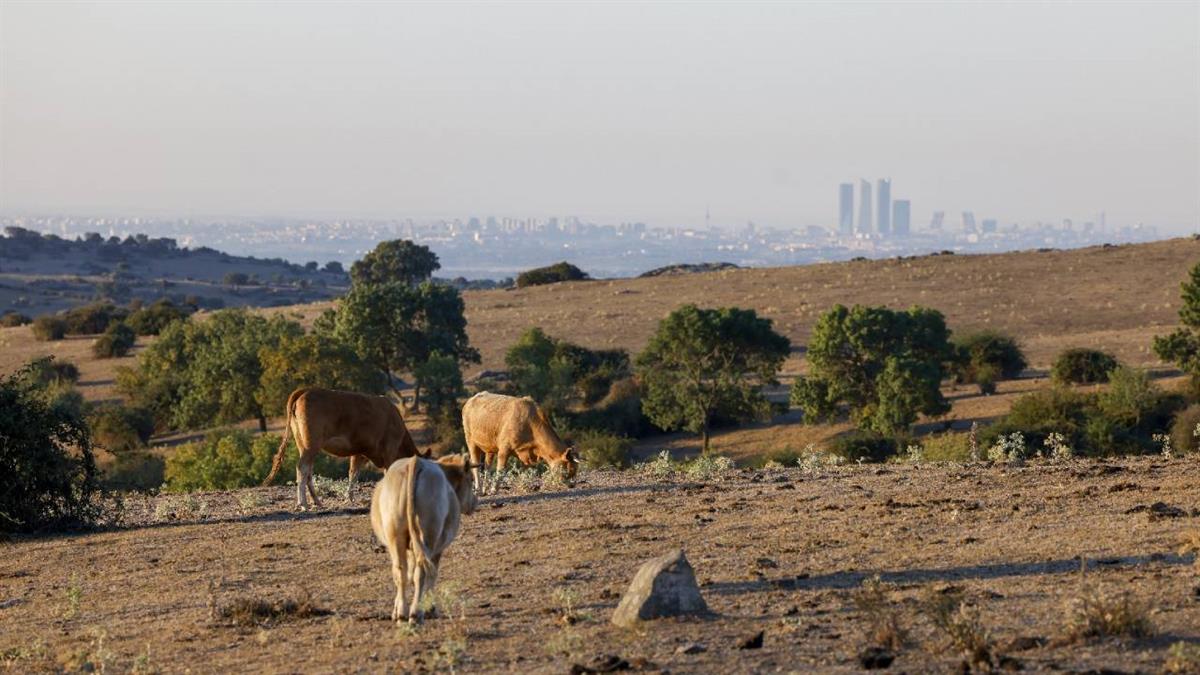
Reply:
x=846, y=209
x=968, y=222
x=901, y=217
x=885, y=206
x=935, y=222
x=864, y=206
x=989, y=225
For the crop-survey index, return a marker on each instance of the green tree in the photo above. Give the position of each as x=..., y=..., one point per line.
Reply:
x=398, y=260
x=1182, y=347
x=884, y=366
x=562, y=271
x=46, y=458
x=200, y=373
x=312, y=360
x=701, y=363
x=987, y=356
x=116, y=341
x=554, y=372
x=152, y=319
x=396, y=327
x=440, y=377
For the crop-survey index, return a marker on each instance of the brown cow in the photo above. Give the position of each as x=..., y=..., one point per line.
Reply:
x=499, y=426
x=343, y=424
x=415, y=514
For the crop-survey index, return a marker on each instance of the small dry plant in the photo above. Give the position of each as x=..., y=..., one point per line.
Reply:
x=554, y=480
x=526, y=481
x=249, y=611
x=568, y=601
x=885, y=622
x=74, y=597
x=1183, y=658
x=1094, y=614
x=660, y=467
x=1189, y=542
x=961, y=624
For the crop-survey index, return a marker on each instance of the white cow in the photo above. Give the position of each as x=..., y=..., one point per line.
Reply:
x=415, y=512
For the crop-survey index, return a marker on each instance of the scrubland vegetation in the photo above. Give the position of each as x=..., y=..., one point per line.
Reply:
x=882, y=377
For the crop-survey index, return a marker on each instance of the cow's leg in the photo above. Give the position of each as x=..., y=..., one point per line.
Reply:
x=477, y=457
x=355, y=463
x=305, y=466
x=501, y=467
x=416, y=614
x=400, y=578
x=301, y=489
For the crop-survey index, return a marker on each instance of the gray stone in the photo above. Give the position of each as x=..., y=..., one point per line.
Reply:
x=664, y=586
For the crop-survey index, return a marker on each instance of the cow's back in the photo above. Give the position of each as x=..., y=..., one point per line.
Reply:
x=362, y=422
x=491, y=420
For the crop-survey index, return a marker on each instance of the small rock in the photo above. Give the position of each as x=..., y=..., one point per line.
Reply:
x=874, y=658
x=754, y=641
x=1010, y=663
x=691, y=648
x=663, y=586
x=765, y=563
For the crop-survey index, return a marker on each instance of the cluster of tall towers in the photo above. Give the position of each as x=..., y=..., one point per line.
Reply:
x=885, y=218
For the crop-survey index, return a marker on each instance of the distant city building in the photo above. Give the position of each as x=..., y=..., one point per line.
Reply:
x=935, y=221
x=968, y=222
x=901, y=217
x=885, y=206
x=846, y=209
x=864, y=207
x=989, y=225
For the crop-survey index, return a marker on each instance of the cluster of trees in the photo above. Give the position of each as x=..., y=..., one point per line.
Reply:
x=563, y=271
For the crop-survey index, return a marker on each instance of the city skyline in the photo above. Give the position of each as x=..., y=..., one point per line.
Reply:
x=614, y=111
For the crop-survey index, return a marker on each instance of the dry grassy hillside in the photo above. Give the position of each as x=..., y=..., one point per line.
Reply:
x=1113, y=298
x=532, y=581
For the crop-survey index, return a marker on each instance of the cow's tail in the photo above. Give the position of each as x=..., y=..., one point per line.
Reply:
x=277, y=461
x=416, y=538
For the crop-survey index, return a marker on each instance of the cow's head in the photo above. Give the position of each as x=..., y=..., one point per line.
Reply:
x=458, y=472
x=568, y=464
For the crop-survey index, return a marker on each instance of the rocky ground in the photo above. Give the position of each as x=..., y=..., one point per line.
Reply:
x=238, y=582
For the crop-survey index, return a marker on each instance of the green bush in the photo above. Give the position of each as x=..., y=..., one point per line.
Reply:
x=947, y=447
x=152, y=319
x=233, y=458
x=1040, y=413
x=48, y=328
x=563, y=271
x=13, y=319
x=116, y=341
x=1183, y=430
x=599, y=449
x=235, y=279
x=46, y=459
x=46, y=371
x=985, y=357
x=120, y=429
x=1082, y=366
x=866, y=446
x=93, y=319
x=137, y=470
x=788, y=457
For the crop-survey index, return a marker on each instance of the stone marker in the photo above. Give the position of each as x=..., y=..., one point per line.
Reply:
x=664, y=586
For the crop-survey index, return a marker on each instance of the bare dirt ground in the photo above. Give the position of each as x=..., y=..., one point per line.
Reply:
x=781, y=552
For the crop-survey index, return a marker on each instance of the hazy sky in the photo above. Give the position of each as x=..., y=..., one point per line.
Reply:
x=1019, y=111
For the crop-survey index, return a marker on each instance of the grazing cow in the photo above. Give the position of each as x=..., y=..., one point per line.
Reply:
x=415, y=514
x=498, y=426
x=343, y=424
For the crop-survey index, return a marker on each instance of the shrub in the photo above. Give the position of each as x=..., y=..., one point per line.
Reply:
x=47, y=328
x=600, y=449
x=563, y=271
x=232, y=458
x=46, y=458
x=13, y=319
x=948, y=447
x=866, y=446
x=787, y=456
x=235, y=279
x=1082, y=366
x=1095, y=615
x=985, y=357
x=93, y=319
x=707, y=466
x=1184, y=436
x=1038, y=414
x=151, y=320
x=46, y=371
x=137, y=470
x=119, y=428
x=116, y=341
